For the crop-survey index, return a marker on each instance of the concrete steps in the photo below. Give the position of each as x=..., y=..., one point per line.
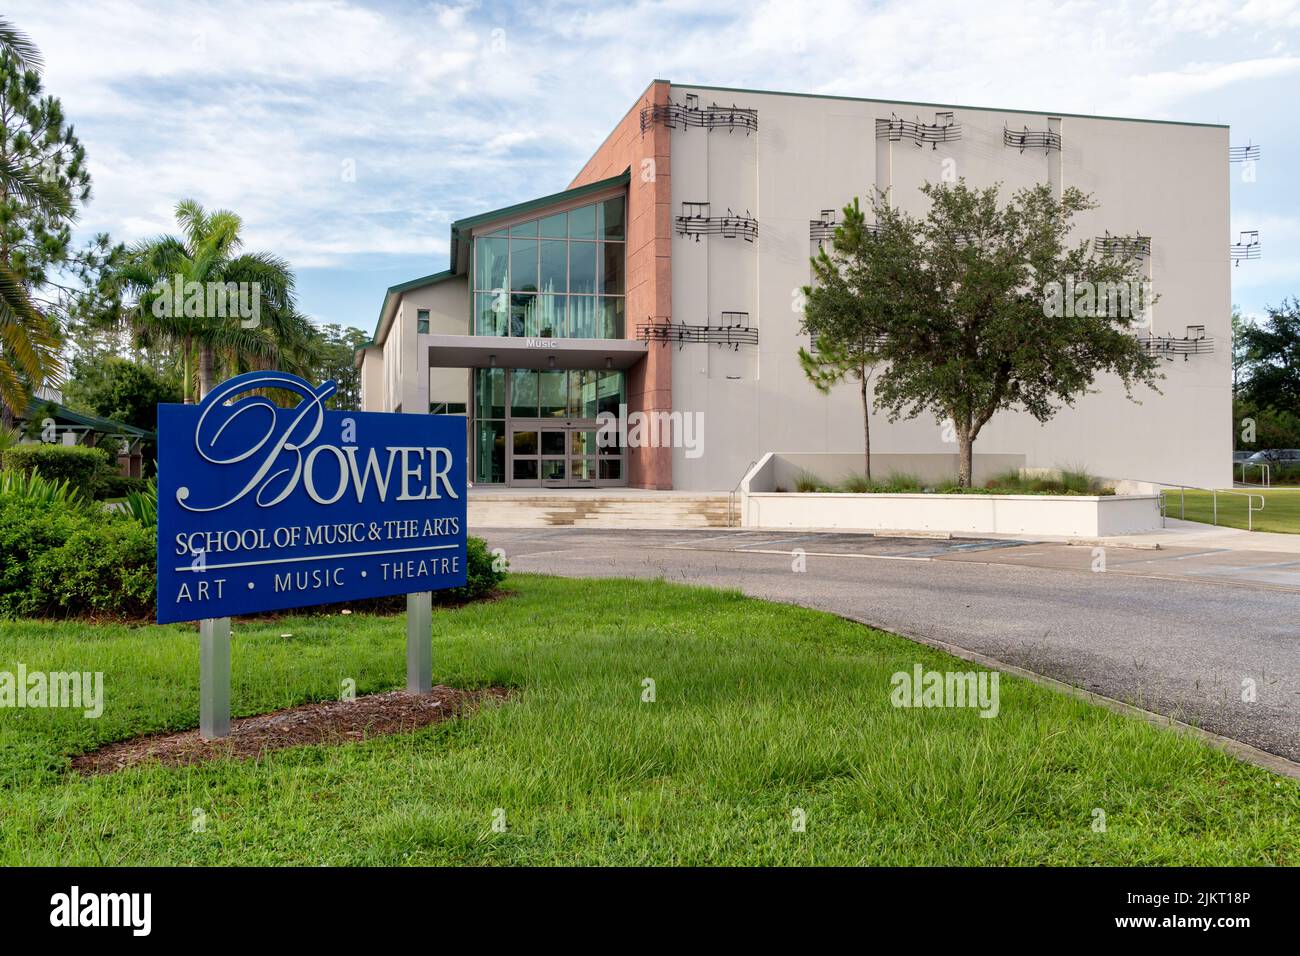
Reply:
x=596, y=509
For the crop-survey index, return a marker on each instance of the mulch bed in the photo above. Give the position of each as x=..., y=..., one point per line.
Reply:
x=330, y=722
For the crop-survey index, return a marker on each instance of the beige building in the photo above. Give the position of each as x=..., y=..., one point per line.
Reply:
x=666, y=280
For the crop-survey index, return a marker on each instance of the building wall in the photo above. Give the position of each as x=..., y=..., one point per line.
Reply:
x=1167, y=181
x=372, y=380
x=649, y=265
x=449, y=314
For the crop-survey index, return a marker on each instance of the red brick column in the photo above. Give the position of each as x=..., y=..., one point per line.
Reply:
x=649, y=265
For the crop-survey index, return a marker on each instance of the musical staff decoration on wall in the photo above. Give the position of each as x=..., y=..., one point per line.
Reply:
x=944, y=129
x=1195, y=342
x=683, y=116
x=1242, y=154
x=1027, y=138
x=822, y=231
x=734, y=330
x=696, y=221
x=1246, y=247
x=1123, y=247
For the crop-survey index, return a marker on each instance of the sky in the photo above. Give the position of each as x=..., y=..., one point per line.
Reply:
x=349, y=135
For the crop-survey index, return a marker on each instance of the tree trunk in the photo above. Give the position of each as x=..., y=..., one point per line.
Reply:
x=186, y=391
x=205, y=371
x=866, y=424
x=966, y=454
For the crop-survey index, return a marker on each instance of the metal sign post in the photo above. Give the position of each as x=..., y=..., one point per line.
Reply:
x=419, y=642
x=214, y=677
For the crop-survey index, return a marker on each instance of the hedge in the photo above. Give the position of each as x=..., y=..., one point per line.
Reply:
x=81, y=466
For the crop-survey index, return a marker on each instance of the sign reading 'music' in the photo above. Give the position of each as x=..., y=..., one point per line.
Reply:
x=263, y=507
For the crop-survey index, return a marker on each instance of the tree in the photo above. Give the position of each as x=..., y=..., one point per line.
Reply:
x=123, y=390
x=339, y=346
x=185, y=284
x=1240, y=352
x=980, y=307
x=1272, y=372
x=120, y=389
x=833, y=304
x=42, y=179
x=19, y=46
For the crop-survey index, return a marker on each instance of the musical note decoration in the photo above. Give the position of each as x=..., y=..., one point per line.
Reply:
x=1044, y=139
x=695, y=221
x=1194, y=342
x=1243, y=154
x=1123, y=247
x=734, y=330
x=1246, y=247
x=944, y=129
x=684, y=116
x=822, y=231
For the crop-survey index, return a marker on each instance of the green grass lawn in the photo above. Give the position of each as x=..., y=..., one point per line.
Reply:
x=1281, y=508
x=760, y=709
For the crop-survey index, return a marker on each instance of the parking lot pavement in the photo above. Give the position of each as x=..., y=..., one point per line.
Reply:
x=1180, y=633
x=1210, y=565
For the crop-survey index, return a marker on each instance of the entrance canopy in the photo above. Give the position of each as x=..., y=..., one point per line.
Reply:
x=502, y=351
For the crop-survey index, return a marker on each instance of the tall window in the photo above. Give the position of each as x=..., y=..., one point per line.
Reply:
x=559, y=276
x=422, y=320
x=502, y=394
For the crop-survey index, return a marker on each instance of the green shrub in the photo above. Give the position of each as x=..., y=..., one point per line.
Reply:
x=856, y=485
x=61, y=556
x=29, y=528
x=482, y=575
x=901, y=483
x=104, y=568
x=111, y=483
x=80, y=466
x=1067, y=481
x=36, y=487
x=142, y=505
x=806, y=482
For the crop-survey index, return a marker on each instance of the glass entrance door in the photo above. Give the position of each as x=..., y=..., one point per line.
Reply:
x=561, y=456
x=554, y=460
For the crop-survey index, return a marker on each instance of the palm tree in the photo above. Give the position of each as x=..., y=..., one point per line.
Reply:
x=19, y=46
x=164, y=271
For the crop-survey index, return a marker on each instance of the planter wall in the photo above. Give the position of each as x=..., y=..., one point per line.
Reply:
x=1065, y=515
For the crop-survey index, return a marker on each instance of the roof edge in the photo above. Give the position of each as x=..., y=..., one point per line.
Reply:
x=949, y=106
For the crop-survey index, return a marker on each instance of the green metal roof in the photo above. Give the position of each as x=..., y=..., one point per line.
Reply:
x=106, y=426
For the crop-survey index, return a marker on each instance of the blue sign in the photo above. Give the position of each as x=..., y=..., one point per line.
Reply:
x=263, y=507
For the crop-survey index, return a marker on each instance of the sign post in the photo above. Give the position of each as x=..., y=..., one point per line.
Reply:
x=419, y=642
x=214, y=677
x=265, y=507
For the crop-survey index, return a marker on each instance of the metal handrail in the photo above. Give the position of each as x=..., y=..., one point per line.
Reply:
x=731, y=495
x=1214, y=496
x=1265, y=473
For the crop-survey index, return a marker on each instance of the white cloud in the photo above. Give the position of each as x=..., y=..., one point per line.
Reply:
x=448, y=109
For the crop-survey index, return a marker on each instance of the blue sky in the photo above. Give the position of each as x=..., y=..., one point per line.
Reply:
x=349, y=135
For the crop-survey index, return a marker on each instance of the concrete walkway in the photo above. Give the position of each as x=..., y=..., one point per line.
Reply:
x=1161, y=630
